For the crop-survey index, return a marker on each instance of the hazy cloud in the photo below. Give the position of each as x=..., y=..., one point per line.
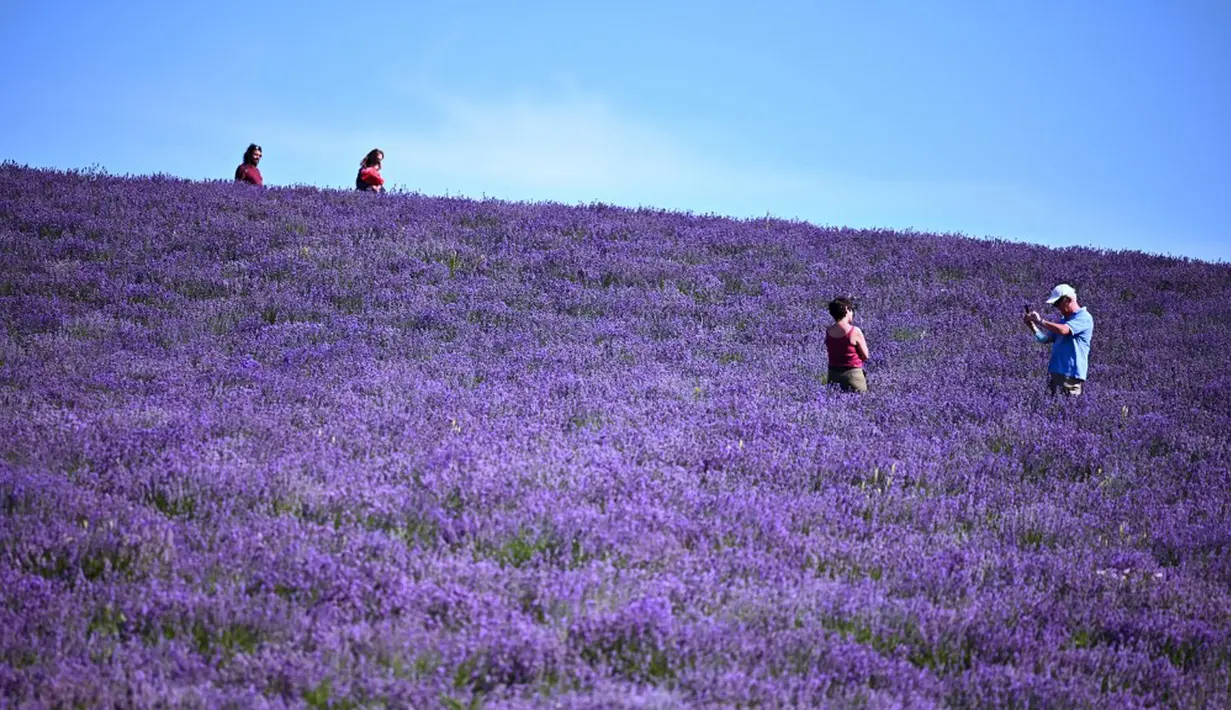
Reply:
x=565, y=145
x=582, y=148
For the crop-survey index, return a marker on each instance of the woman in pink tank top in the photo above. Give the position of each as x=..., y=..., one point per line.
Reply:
x=847, y=348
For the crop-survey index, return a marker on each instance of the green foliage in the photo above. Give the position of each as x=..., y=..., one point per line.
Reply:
x=949, y=274
x=736, y=286
x=632, y=656
x=698, y=293
x=530, y=544
x=228, y=640
x=949, y=653
x=902, y=335
x=92, y=564
x=587, y=419
x=172, y=505
x=349, y=304
x=478, y=221
x=1034, y=538
x=320, y=697
x=413, y=529
x=451, y=703
x=108, y=621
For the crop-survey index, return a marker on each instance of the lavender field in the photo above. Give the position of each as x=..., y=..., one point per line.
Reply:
x=308, y=448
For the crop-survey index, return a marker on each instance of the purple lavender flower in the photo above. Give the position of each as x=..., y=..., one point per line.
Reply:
x=298, y=448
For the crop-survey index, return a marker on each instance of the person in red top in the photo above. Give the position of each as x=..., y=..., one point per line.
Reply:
x=247, y=170
x=369, y=178
x=847, y=348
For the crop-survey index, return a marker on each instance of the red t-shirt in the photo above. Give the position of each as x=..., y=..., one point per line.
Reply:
x=842, y=352
x=371, y=177
x=249, y=174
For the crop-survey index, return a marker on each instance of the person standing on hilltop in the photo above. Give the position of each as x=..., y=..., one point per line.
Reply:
x=369, y=178
x=247, y=170
x=846, y=347
x=1070, y=339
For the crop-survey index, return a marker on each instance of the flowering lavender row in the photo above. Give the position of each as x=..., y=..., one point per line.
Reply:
x=307, y=448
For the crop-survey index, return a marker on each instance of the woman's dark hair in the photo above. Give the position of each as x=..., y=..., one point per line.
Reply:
x=839, y=307
x=372, y=158
x=252, y=148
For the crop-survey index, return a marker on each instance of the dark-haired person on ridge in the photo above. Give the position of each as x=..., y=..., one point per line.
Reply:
x=847, y=348
x=247, y=170
x=369, y=178
x=1070, y=339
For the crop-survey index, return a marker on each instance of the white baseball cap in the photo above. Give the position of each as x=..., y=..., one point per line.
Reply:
x=1060, y=292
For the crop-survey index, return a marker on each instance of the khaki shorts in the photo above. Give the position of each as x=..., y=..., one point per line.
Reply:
x=1063, y=384
x=851, y=379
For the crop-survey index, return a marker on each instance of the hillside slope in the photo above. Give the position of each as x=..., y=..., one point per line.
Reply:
x=315, y=448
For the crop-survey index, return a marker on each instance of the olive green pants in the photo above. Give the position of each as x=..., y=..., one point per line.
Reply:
x=851, y=379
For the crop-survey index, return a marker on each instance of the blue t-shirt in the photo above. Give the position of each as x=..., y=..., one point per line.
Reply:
x=1070, y=353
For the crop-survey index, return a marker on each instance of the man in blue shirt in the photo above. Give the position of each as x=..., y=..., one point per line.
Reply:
x=1070, y=339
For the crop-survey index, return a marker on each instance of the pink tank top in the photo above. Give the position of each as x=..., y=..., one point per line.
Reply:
x=842, y=351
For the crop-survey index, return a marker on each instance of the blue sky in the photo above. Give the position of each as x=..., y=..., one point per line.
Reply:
x=1099, y=123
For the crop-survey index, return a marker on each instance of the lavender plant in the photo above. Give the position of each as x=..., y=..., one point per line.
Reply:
x=305, y=448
